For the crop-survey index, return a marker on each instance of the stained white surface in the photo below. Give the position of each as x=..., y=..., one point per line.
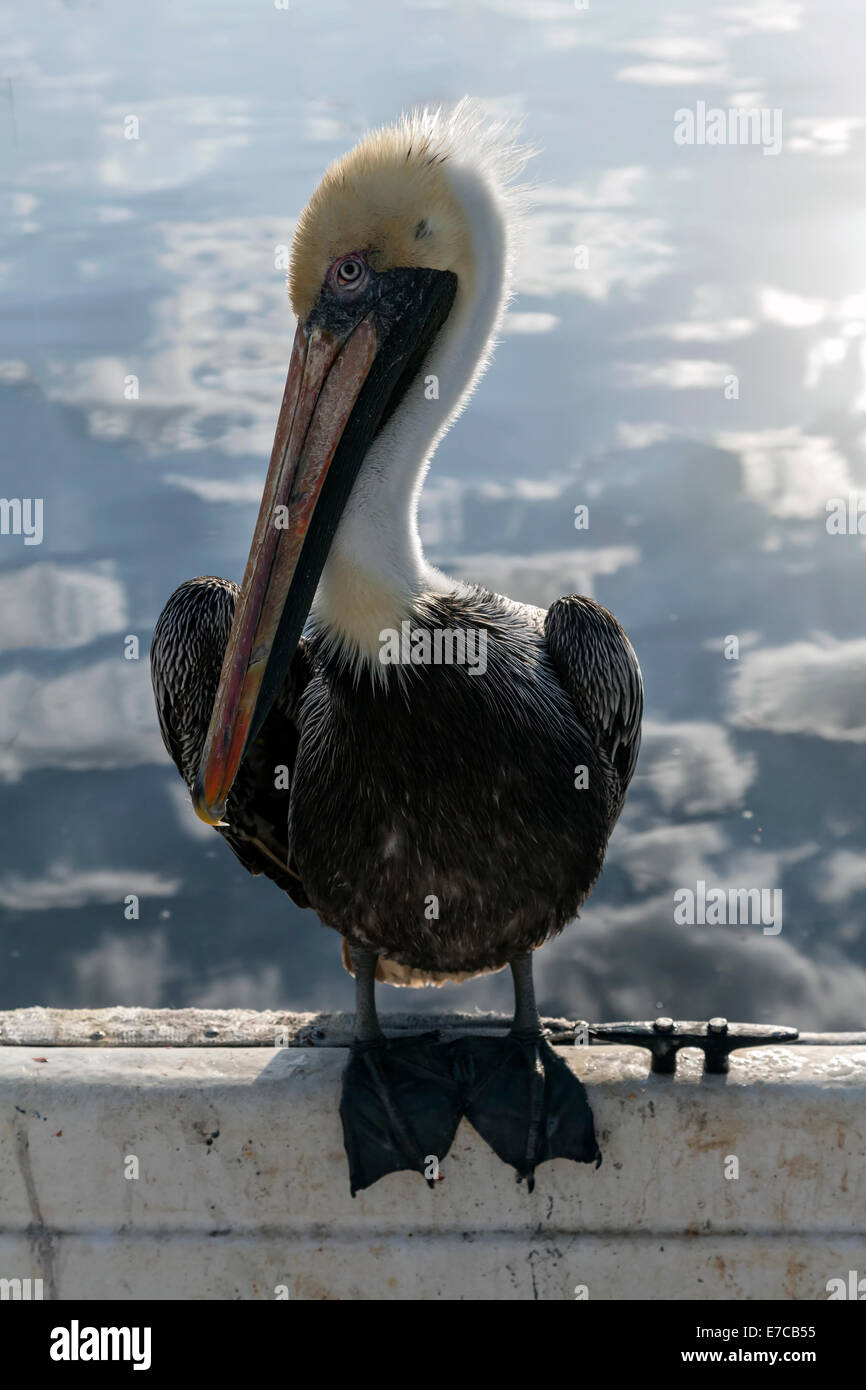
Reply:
x=266, y=1202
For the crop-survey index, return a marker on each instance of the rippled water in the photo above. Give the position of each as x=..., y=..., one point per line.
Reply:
x=613, y=388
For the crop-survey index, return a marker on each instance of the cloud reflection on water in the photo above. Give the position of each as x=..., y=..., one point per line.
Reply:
x=707, y=514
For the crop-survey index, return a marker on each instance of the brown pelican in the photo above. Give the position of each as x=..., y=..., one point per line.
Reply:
x=446, y=817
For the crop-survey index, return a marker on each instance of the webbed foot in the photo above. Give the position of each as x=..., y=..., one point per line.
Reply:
x=400, y=1108
x=526, y=1103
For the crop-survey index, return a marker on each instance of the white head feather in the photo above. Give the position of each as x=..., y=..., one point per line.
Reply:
x=436, y=189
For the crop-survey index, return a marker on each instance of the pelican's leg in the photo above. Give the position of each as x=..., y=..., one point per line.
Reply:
x=526, y=1021
x=366, y=1019
x=400, y=1105
x=523, y=1099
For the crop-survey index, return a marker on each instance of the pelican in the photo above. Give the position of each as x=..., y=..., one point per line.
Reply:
x=446, y=817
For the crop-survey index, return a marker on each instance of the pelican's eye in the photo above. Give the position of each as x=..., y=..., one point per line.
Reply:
x=350, y=273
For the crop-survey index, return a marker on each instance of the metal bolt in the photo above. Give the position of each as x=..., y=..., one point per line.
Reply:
x=717, y=1025
x=664, y=1025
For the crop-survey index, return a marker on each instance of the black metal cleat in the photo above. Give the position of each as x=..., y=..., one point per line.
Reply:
x=717, y=1039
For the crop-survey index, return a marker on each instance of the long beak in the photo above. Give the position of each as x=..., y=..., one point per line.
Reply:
x=324, y=380
x=304, y=496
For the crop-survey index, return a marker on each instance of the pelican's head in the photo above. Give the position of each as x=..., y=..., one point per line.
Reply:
x=404, y=245
x=390, y=204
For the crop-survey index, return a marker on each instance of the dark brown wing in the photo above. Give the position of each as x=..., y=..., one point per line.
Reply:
x=186, y=657
x=597, y=665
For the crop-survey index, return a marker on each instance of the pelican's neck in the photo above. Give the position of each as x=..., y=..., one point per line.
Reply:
x=376, y=568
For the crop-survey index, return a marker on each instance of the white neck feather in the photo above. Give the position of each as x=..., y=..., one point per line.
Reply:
x=376, y=567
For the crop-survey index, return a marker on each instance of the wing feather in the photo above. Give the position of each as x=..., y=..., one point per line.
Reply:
x=597, y=665
x=186, y=657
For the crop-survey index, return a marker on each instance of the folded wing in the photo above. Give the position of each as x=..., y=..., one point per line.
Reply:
x=598, y=667
x=186, y=657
